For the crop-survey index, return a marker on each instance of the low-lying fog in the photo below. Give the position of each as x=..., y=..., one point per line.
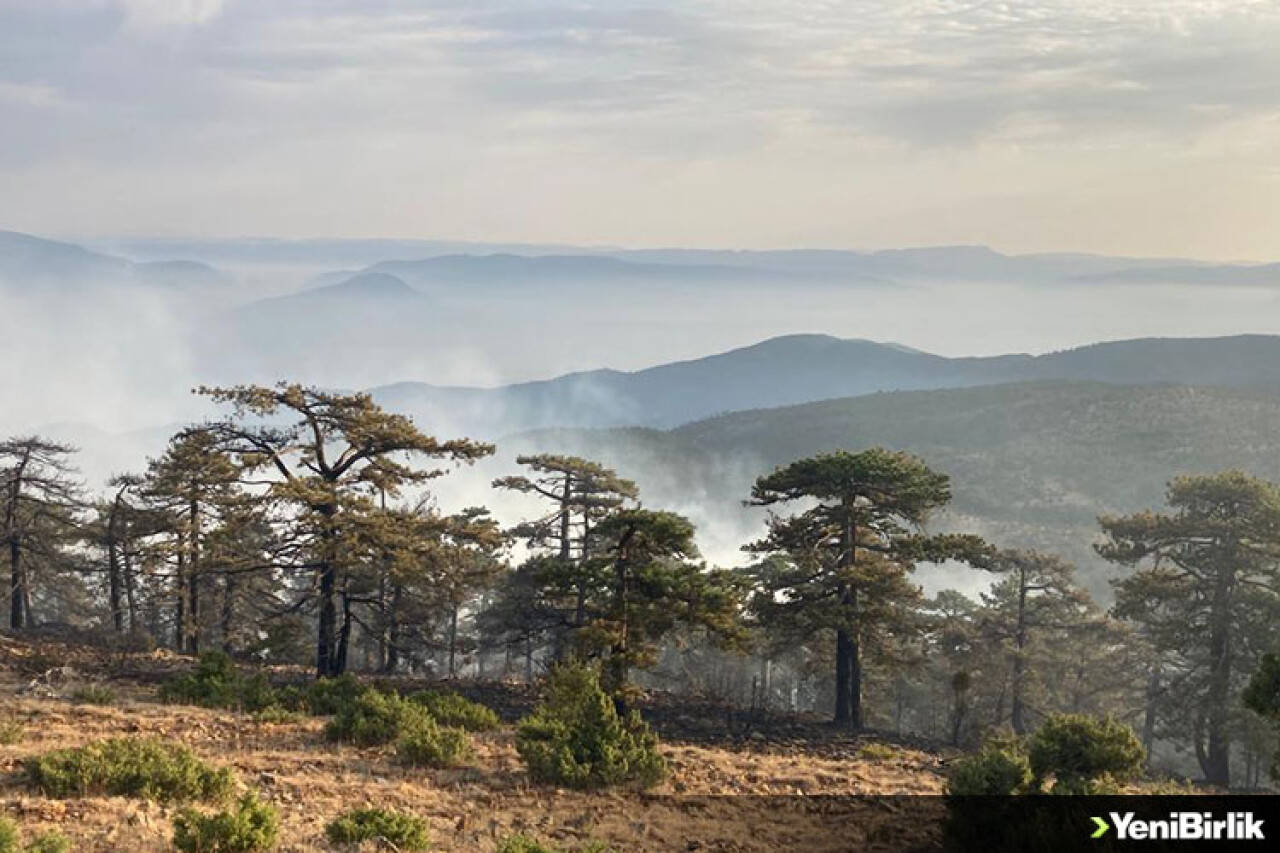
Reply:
x=110, y=367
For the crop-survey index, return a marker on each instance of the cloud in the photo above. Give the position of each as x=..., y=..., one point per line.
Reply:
x=235, y=100
x=169, y=13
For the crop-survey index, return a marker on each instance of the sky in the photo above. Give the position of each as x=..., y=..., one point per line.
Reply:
x=1144, y=127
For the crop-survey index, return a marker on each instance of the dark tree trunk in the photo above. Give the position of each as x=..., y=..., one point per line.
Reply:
x=344, y=637
x=453, y=641
x=856, y=719
x=115, y=582
x=130, y=591
x=327, y=624
x=228, y=610
x=115, y=587
x=393, y=632
x=19, y=600
x=193, y=580
x=1216, y=762
x=193, y=616
x=1149, y=715
x=844, y=676
x=848, y=654
x=1018, y=710
x=180, y=606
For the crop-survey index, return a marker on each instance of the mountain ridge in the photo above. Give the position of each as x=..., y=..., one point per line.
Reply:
x=796, y=369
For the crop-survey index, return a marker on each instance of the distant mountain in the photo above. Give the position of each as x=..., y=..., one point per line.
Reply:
x=24, y=258
x=806, y=368
x=34, y=262
x=936, y=263
x=504, y=270
x=372, y=285
x=1231, y=275
x=321, y=253
x=1032, y=464
x=365, y=322
x=947, y=263
x=461, y=261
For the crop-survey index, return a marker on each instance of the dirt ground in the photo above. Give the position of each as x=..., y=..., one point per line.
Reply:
x=762, y=793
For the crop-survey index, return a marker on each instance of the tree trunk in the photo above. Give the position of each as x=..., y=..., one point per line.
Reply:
x=1217, y=758
x=856, y=719
x=193, y=579
x=130, y=591
x=848, y=653
x=344, y=636
x=1149, y=715
x=844, y=673
x=114, y=581
x=193, y=616
x=1018, y=710
x=19, y=602
x=115, y=588
x=327, y=623
x=393, y=630
x=453, y=641
x=228, y=610
x=180, y=606
x=384, y=628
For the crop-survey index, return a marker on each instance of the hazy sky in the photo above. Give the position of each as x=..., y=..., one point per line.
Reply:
x=1145, y=127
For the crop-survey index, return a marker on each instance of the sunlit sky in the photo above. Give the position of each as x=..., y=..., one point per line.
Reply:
x=1147, y=127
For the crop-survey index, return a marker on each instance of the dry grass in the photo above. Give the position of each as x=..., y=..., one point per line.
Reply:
x=310, y=781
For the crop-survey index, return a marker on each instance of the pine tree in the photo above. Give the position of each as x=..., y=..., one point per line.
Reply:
x=39, y=503
x=1204, y=588
x=327, y=457
x=846, y=559
x=582, y=494
x=194, y=484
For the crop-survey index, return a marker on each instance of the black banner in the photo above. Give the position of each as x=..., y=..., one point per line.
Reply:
x=925, y=824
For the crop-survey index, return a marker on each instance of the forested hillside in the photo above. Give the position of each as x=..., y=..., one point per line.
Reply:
x=808, y=368
x=1034, y=464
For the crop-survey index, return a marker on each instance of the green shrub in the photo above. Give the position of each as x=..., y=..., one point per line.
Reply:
x=147, y=768
x=576, y=737
x=374, y=718
x=326, y=696
x=1000, y=767
x=404, y=831
x=450, y=709
x=277, y=714
x=93, y=694
x=522, y=844
x=876, y=751
x=48, y=842
x=12, y=732
x=1084, y=754
x=250, y=826
x=217, y=683
x=426, y=743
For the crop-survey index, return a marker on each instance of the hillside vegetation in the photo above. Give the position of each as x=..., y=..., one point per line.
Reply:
x=1033, y=464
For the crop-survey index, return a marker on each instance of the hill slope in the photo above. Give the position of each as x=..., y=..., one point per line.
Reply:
x=807, y=368
x=1032, y=464
x=27, y=261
